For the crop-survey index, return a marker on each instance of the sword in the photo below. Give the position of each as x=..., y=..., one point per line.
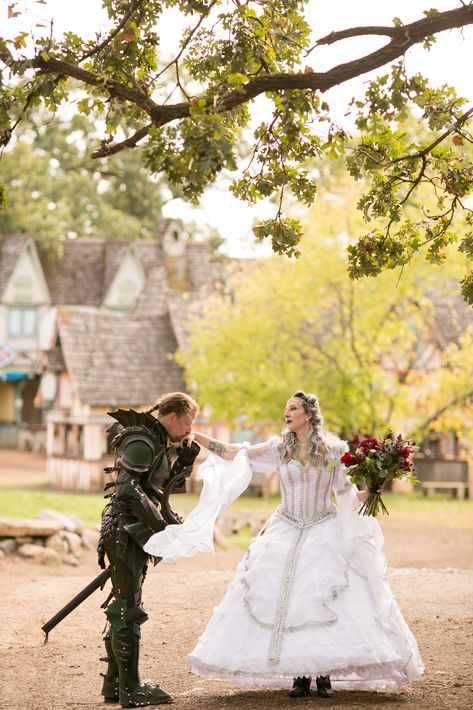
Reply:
x=97, y=583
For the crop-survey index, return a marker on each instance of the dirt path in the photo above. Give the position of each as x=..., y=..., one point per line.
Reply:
x=431, y=574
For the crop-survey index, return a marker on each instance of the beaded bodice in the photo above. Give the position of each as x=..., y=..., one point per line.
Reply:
x=306, y=490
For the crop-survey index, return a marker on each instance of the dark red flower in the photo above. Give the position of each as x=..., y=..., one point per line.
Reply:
x=370, y=443
x=348, y=459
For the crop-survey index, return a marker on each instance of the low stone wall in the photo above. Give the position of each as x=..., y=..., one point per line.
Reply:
x=50, y=538
x=53, y=538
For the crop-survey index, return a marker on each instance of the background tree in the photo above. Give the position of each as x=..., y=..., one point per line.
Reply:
x=370, y=349
x=56, y=190
x=446, y=401
x=191, y=111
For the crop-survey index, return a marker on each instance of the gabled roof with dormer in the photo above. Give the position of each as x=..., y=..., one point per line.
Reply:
x=119, y=360
x=75, y=277
x=85, y=270
x=22, y=279
x=10, y=250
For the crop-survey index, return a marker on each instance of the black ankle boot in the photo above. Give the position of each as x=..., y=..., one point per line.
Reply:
x=301, y=687
x=324, y=687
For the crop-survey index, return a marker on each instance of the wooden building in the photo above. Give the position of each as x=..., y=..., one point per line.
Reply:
x=117, y=279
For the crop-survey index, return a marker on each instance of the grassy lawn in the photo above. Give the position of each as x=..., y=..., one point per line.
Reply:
x=411, y=508
x=23, y=503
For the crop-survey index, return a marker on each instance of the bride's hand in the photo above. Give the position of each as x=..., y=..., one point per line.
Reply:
x=187, y=440
x=364, y=495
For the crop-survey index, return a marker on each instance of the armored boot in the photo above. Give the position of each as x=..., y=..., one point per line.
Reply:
x=110, y=678
x=324, y=687
x=132, y=692
x=301, y=687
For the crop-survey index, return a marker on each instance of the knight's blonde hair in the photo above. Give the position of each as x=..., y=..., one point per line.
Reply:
x=178, y=402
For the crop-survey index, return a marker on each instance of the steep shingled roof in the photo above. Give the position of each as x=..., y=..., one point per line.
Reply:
x=87, y=267
x=152, y=299
x=77, y=277
x=119, y=361
x=10, y=250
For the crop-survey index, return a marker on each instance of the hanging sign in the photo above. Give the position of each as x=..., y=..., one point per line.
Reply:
x=7, y=354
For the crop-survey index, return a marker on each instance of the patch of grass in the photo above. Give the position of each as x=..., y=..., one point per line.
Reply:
x=411, y=508
x=440, y=509
x=22, y=503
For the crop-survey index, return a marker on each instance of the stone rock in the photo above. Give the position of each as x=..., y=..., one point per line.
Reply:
x=28, y=528
x=45, y=555
x=57, y=542
x=50, y=556
x=8, y=546
x=25, y=539
x=33, y=552
x=70, y=560
x=68, y=522
x=73, y=541
x=90, y=539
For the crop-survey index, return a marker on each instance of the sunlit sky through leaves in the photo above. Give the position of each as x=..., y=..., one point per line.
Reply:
x=449, y=61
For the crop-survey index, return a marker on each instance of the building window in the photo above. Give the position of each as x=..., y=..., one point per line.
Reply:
x=22, y=321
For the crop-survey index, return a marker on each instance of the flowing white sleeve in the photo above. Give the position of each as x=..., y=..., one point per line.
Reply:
x=223, y=482
x=264, y=458
x=341, y=482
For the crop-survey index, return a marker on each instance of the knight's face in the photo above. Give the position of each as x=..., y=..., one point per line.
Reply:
x=178, y=427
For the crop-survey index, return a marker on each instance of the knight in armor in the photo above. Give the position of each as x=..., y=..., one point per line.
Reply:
x=138, y=507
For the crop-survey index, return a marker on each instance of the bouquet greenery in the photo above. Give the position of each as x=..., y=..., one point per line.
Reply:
x=375, y=462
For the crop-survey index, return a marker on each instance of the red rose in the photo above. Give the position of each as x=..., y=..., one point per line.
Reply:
x=348, y=459
x=370, y=443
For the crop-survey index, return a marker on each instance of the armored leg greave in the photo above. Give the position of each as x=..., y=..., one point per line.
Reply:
x=132, y=692
x=110, y=678
x=126, y=614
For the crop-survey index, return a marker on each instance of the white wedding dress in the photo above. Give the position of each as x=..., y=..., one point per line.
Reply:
x=310, y=596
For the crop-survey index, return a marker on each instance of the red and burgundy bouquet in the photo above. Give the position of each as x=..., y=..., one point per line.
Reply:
x=375, y=462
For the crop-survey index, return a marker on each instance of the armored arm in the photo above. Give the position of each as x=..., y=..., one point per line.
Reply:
x=136, y=454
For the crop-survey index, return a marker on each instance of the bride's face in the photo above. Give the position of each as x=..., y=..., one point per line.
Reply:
x=295, y=415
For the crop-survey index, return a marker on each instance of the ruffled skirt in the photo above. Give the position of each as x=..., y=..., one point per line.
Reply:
x=310, y=600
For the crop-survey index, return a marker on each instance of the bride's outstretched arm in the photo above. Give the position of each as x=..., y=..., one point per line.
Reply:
x=220, y=448
x=228, y=451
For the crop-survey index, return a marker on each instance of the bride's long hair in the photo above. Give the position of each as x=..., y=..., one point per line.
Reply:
x=318, y=446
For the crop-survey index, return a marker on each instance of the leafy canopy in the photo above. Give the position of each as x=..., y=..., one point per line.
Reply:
x=56, y=190
x=374, y=351
x=190, y=111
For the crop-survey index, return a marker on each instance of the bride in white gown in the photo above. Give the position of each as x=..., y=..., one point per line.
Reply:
x=310, y=597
